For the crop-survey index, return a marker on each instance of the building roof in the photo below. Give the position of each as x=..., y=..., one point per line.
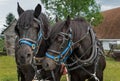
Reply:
x=12, y=24
x=110, y=26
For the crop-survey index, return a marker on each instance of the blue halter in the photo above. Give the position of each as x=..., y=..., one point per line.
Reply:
x=23, y=41
x=30, y=43
x=59, y=58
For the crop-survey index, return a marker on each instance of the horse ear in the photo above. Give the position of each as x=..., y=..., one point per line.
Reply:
x=19, y=9
x=68, y=21
x=37, y=11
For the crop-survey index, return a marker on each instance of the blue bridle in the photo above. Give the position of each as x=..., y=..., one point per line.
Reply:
x=67, y=51
x=31, y=43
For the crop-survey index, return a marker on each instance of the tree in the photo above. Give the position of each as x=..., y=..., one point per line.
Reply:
x=74, y=8
x=9, y=18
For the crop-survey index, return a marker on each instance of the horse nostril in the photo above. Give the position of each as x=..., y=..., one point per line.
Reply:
x=28, y=55
x=46, y=65
x=22, y=57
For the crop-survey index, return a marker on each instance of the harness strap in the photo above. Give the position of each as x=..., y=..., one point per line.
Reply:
x=94, y=49
x=53, y=51
x=40, y=36
x=41, y=23
x=94, y=53
x=58, y=58
x=83, y=37
x=93, y=75
x=29, y=43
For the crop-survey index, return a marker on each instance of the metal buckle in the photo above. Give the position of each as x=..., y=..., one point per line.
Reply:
x=33, y=46
x=56, y=59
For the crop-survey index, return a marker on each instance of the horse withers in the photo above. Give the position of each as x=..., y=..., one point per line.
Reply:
x=74, y=44
x=32, y=30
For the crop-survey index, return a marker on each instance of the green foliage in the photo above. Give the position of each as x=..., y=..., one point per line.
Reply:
x=9, y=18
x=74, y=8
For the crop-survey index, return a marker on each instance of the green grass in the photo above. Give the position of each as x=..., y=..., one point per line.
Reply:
x=112, y=71
x=8, y=70
x=1, y=44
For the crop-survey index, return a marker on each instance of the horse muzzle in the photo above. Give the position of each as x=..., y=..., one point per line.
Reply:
x=48, y=64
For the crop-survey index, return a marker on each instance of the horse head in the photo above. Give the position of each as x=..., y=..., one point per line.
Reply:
x=60, y=38
x=65, y=37
x=31, y=30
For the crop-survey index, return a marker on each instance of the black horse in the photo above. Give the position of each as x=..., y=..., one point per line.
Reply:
x=31, y=43
x=74, y=44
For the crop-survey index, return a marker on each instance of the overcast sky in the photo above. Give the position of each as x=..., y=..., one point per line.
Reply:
x=7, y=6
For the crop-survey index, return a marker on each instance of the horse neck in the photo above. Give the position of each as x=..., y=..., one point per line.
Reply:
x=84, y=45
